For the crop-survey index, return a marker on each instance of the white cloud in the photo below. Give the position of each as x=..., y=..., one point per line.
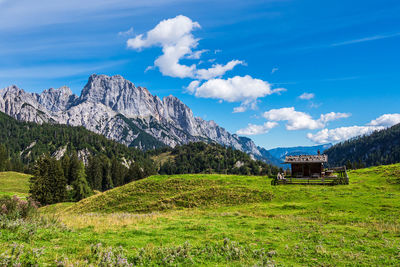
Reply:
x=325, y=118
x=297, y=120
x=344, y=133
x=253, y=129
x=274, y=70
x=217, y=70
x=307, y=96
x=341, y=134
x=126, y=33
x=177, y=41
x=49, y=12
x=175, y=37
x=367, y=39
x=193, y=86
x=239, y=109
x=386, y=120
x=237, y=89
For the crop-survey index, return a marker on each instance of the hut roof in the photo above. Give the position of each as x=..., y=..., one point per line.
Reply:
x=307, y=159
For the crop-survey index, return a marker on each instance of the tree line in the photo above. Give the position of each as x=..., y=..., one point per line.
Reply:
x=24, y=142
x=211, y=158
x=68, y=179
x=379, y=148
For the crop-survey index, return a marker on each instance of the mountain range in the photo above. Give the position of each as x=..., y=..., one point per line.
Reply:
x=280, y=153
x=119, y=110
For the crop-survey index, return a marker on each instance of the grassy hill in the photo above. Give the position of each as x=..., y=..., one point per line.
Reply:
x=162, y=192
x=222, y=220
x=14, y=183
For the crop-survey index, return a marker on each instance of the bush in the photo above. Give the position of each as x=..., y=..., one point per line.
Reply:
x=18, y=255
x=13, y=208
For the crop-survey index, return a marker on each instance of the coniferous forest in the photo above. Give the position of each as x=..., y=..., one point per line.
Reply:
x=211, y=158
x=379, y=148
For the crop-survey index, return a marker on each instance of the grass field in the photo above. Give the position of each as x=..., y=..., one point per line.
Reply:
x=14, y=183
x=225, y=220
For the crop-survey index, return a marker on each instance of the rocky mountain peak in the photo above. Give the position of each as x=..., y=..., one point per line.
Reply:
x=57, y=99
x=116, y=108
x=11, y=89
x=120, y=95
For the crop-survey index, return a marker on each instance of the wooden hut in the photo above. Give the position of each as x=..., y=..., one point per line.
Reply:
x=307, y=165
x=309, y=169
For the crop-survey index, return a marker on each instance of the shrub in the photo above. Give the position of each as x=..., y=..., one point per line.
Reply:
x=14, y=208
x=18, y=255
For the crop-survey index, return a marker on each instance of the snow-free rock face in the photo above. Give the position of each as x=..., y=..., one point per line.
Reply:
x=57, y=99
x=116, y=108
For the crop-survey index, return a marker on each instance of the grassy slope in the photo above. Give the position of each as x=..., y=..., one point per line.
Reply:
x=358, y=224
x=14, y=183
x=158, y=193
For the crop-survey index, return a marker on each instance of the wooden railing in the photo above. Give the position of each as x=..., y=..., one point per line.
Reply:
x=341, y=177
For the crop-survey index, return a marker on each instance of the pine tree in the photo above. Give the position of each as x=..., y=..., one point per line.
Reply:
x=117, y=172
x=95, y=173
x=3, y=157
x=134, y=173
x=74, y=165
x=48, y=185
x=107, y=182
x=80, y=185
x=65, y=165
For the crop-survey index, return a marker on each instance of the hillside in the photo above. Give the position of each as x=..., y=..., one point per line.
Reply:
x=379, y=148
x=166, y=193
x=14, y=183
x=209, y=158
x=179, y=220
x=26, y=141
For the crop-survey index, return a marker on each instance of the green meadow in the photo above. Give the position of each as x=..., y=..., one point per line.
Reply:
x=216, y=220
x=14, y=183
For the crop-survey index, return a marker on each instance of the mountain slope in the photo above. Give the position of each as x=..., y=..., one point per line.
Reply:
x=117, y=109
x=209, y=158
x=27, y=141
x=379, y=148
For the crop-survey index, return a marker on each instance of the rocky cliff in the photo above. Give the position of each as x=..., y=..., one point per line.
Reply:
x=117, y=109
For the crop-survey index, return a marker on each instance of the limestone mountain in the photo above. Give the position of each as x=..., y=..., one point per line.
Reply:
x=116, y=108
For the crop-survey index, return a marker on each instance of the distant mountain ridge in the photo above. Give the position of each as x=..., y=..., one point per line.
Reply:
x=280, y=153
x=116, y=108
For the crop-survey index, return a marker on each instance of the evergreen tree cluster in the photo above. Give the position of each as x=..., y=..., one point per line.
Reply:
x=67, y=179
x=50, y=181
x=379, y=148
x=212, y=158
x=22, y=143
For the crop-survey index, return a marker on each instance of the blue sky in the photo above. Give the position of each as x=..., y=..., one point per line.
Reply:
x=342, y=54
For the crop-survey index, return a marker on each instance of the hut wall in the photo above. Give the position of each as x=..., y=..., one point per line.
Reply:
x=306, y=169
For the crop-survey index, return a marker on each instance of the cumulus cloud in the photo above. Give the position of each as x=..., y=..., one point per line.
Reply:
x=344, y=133
x=386, y=120
x=217, y=70
x=245, y=89
x=341, y=134
x=307, y=96
x=297, y=120
x=175, y=38
x=253, y=129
